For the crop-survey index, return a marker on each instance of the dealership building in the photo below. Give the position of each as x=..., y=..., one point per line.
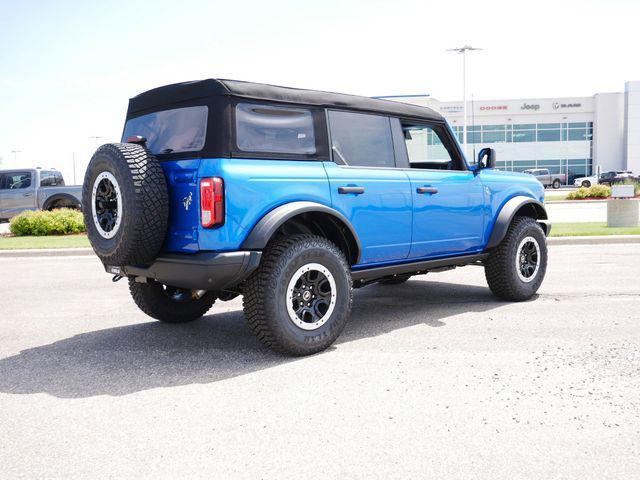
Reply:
x=576, y=136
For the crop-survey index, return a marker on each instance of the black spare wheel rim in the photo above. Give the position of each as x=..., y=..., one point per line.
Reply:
x=106, y=205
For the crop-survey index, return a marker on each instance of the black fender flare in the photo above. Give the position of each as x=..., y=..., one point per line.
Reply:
x=60, y=196
x=509, y=210
x=269, y=224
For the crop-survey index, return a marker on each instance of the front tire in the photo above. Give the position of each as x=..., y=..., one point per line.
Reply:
x=586, y=184
x=515, y=269
x=170, y=304
x=299, y=299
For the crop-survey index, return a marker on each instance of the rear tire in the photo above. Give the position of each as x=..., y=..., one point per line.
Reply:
x=170, y=304
x=515, y=269
x=556, y=184
x=299, y=299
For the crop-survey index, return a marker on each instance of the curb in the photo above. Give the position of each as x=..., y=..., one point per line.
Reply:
x=46, y=252
x=594, y=240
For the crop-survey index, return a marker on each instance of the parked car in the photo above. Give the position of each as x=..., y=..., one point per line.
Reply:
x=585, y=181
x=613, y=177
x=33, y=189
x=606, y=178
x=547, y=179
x=292, y=198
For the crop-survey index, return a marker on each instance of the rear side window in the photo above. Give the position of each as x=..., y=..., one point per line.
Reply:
x=50, y=179
x=359, y=139
x=171, y=131
x=274, y=129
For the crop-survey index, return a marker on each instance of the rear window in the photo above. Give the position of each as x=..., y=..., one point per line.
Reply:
x=171, y=131
x=271, y=129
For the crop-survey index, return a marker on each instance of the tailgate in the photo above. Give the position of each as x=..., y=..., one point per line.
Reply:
x=184, y=216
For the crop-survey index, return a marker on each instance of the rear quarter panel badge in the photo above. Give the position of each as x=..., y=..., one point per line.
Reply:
x=186, y=201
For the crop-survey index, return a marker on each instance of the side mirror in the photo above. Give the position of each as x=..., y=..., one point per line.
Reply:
x=486, y=158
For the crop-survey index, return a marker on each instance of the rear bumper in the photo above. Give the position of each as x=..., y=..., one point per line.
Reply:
x=199, y=271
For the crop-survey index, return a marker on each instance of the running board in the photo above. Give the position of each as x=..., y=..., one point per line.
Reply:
x=422, y=266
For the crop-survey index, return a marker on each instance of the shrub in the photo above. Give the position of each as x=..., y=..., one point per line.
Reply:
x=594, y=191
x=578, y=194
x=599, y=191
x=64, y=221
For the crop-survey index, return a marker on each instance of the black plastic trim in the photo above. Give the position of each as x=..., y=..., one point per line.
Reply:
x=199, y=271
x=508, y=211
x=267, y=226
x=415, y=267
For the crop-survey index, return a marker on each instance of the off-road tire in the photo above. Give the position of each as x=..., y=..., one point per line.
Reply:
x=145, y=204
x=151, y=298
x=265, y=294
x=556, y=184
x=395, y=280
x=500, y=267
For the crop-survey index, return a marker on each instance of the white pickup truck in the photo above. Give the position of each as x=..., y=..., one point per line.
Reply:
x=547, y=179
x=34, y=189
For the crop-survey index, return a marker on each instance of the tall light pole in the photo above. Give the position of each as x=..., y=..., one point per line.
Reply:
x=463, y=51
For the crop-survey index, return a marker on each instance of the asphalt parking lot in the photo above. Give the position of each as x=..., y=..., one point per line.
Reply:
x=431, y=379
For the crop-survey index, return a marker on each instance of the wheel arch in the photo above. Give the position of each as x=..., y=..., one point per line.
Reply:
x=50, y=201
x=518, y=206
x=306, y=217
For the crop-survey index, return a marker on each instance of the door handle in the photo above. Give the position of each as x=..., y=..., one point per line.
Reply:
x=356, y=190
x=430, y=190
x=26, y=194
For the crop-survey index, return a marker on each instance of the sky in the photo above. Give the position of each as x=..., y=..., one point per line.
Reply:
x=68, y=68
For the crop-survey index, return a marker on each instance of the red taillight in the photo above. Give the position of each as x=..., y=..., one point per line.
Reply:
x=211, y=202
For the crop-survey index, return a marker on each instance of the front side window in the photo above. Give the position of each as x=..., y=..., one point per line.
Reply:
x=274, y=129
x=17, y=180
x=426, y=148
x=171, y=131
x=362, y=140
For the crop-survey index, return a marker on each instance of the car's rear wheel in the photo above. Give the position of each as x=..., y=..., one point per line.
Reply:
x=170, y=304
x=299, y=298
x=515, y=269
x=556, y=184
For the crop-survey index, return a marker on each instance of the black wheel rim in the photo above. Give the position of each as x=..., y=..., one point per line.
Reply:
x=106, y=205
x=311, y=296
x=528, y=259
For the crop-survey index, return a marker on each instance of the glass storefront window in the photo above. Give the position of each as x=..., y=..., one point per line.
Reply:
x=548, y=135
x=493, y=137
x=524, y=136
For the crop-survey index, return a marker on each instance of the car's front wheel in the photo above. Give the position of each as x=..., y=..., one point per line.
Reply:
x=586, y=183
x=515, y=269
x=170, y=304
x=299, y=298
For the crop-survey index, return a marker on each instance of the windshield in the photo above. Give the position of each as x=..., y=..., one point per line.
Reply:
x=171, y=131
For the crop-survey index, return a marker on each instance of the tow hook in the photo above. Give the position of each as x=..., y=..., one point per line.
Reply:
x=116, y=278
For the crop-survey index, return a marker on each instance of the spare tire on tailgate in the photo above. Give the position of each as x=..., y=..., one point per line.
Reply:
x=125, y=204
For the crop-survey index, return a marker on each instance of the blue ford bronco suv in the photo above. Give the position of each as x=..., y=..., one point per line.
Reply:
x=294, y=197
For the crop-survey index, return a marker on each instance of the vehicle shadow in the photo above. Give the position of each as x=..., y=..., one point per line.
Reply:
x=132, y=358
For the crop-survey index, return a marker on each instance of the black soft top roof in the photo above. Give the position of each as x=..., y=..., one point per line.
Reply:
x=203, y=89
